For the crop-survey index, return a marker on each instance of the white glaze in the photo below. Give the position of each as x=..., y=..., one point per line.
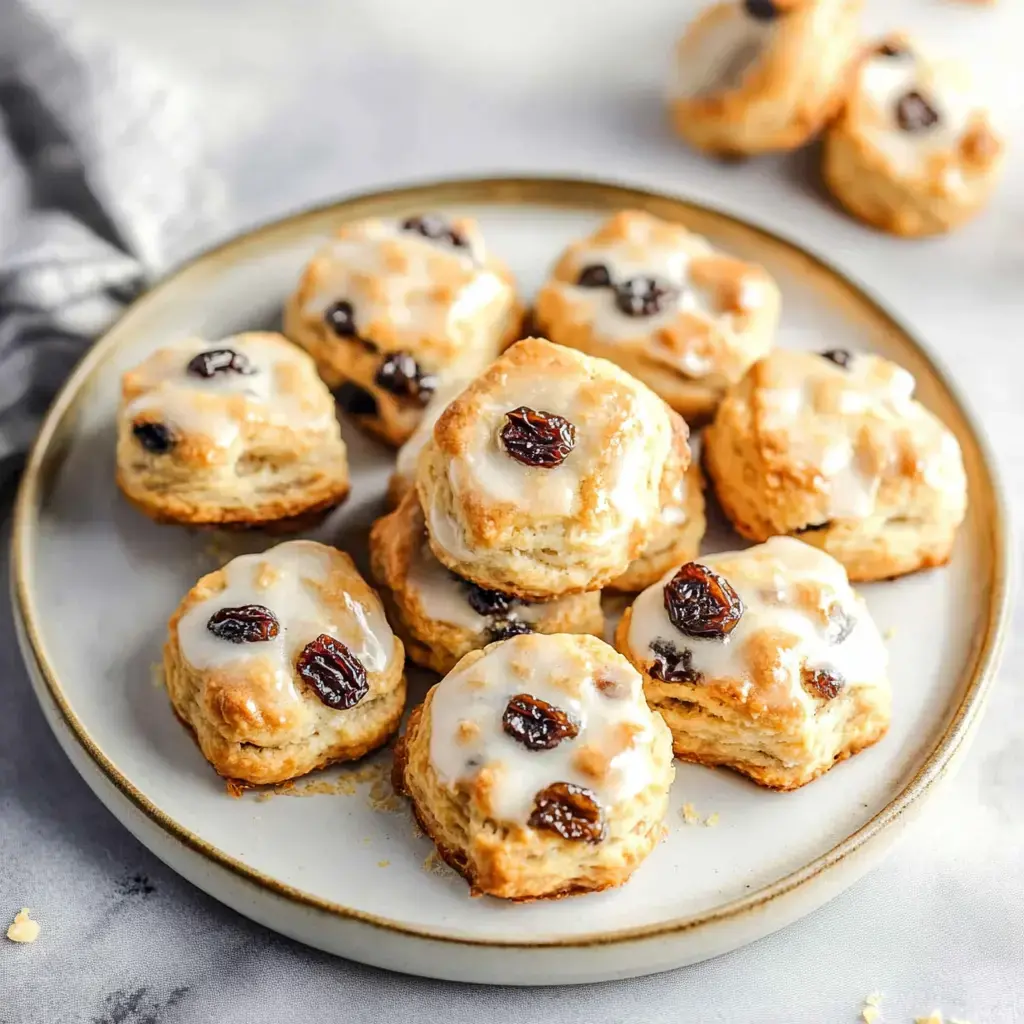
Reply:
x=480, y=693
x=409, y=453
x=860, y=658
x=291, y=573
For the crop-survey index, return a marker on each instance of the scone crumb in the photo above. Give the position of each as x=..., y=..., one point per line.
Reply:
x=690, y=815
x=383, y=863
x=156, y=675
x=435, y=865
x=23, y=928
x=889, y=633
x=235, y=788
x=711, y=820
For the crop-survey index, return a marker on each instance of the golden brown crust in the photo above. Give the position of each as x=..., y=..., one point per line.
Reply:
x=788, y=92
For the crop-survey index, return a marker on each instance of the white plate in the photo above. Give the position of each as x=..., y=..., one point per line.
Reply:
x=95, y=583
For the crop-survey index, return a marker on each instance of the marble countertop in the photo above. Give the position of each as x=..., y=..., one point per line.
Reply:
x=336, y=97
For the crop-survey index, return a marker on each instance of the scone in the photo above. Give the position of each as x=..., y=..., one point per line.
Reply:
x=545, y=476
x=537, y=767
x=239, y=432
x=761, y=75
x=834, y=448
x=663, y=304
x=914, y=151
x=675, y=537
x=283, y=662
x=763, y=660
x=391, y=309
x=440, y=616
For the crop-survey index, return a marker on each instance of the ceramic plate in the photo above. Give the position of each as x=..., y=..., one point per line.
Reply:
x=336, y=862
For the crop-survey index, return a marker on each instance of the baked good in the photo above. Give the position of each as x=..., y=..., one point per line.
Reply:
x=282, y=662
x=761, y=75
x=833, y=447
x=674, y=538
x=390, y=309
x=545, y=476
x=537, y=768
x=440, y=616
x=763, y=660
x=663, y=304
x=235, y=433
x=914, y=151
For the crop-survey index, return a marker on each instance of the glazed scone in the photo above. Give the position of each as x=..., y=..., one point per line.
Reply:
x=537, y=768
x=663, y=304
x=834, y=448
x=239, y=432
x=545, y=476
x=391, y=309
x=914, y=151
x=675, y=537
x=762, y=660
x=761, y=75
x=283, y=662
x=442, y=617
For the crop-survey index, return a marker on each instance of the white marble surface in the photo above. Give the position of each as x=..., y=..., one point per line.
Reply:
x=323, y=98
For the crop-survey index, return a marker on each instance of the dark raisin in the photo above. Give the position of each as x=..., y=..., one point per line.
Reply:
x=672, y=665
x=839, y=356
x=157, y=438
x=402, y=376
x=336, y=675
x=814, y=527
x=840, y=624
x=762, y=10
x=594, y=275
x=701, y=603
x=890, y=49
x=247, y=624
x=355, y=400
x=341, y=318
x=537, y=438
x=643, y=296
x=487, y=602
x=571, y=811
x=537, y=724
x=914, y=113
x=219, y=360
x=825, y=683
x=503, y=629
x=433, y=227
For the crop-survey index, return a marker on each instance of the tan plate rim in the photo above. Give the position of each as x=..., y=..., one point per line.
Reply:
x=566, y=192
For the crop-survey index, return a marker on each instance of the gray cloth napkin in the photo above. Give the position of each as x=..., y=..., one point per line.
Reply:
x=106, y=175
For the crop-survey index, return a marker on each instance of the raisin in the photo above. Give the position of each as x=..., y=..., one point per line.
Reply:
x=814, y=527
x=341, y=318
x=839, y=356
x=594, y=275
x=672, y=665
x=219, y=360
x=890, y=49
x=157, y=438
x=571, y=811
x=537, y=724
x=762, y=10
x=402, y=376
x=487, y=602
x=840, y=624
x=539, y=439
x=355, y=400
x=504, y=629
x=433, y=227
x=643, y=296
x=825, y=683
x=701, y=603
x=914, y=113
x=336, y=675
x=247, y=624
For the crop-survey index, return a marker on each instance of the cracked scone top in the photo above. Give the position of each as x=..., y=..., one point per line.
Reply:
x=662, y=303
x=761, y=75
x=390, y=309
x=915, y=151
x=764, y=660
x=233, y=431
x=835, y=448
x=537, y=767
x=545, y=475
x=284, y=661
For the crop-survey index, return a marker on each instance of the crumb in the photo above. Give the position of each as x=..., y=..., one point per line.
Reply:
x=935, y=1017
x=235, y=788
x=366, y=840
x=711, y=820
x=23, y=928
x=417, y=831
x=156, y=675
x=870, y=1014
x=889, y=633
x=434, y=865
x=690, y=815
x=383, y=863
